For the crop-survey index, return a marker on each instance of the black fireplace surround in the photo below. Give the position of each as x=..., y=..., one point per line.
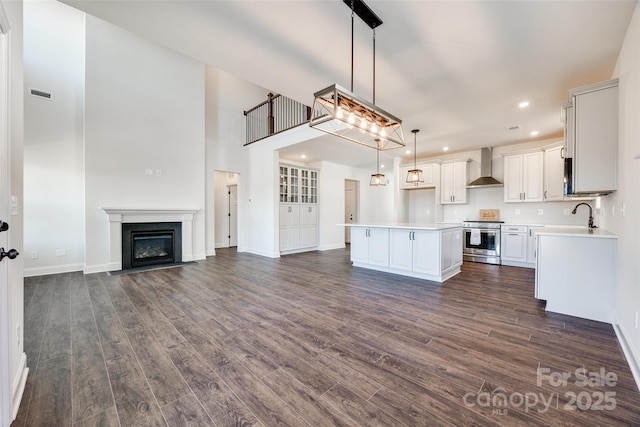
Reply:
x=151, y=243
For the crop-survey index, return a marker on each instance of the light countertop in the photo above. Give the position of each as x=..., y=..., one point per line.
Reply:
x=576, y=232
x=406, y=225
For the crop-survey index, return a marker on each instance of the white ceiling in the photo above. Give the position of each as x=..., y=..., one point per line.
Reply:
x=454, y=69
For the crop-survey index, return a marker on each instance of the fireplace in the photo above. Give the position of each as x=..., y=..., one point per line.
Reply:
x=151, y=243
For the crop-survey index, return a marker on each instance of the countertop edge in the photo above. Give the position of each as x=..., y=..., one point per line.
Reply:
x=409, y=226
x=597, y=233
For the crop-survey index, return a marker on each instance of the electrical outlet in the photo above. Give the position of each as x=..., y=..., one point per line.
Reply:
x=622, y=209
x=158, y=172
x=540, y=212
x=61, y=252
x=34, y=254
x=567, y=211
x=517, y=211
x=18, y=335
x=636, y=319
x=148, y=172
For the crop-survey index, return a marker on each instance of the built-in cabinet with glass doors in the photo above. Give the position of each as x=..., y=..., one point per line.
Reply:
x=298, y=209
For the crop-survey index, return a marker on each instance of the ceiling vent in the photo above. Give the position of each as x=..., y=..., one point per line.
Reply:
x=514, y=128
x=41, y=94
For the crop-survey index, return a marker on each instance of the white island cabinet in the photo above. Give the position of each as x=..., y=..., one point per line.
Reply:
x=575, y=271
x=430, y=252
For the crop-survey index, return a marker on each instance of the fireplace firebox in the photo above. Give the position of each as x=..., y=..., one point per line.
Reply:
x=151, y=243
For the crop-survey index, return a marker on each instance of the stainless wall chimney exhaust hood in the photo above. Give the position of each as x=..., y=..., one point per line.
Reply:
x=485, y=180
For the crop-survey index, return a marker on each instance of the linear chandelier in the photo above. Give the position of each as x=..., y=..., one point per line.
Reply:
x=340, y=112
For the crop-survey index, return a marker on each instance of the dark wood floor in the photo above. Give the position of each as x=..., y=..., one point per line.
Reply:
x=241, y=340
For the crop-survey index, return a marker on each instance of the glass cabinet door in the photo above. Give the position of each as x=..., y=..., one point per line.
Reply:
x=294, y=182
x=284, y=183
x=313, y=187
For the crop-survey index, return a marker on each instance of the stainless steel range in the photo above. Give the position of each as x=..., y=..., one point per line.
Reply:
x=481, y=241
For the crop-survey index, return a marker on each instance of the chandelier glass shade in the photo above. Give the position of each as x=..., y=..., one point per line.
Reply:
x=342, y=113
x=414, y=176
x=378, y=179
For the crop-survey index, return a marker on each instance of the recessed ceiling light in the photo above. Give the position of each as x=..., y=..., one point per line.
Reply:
x=304, y=156
x=445, y=148
x=523, y=104
x=407, y=152
x=382, y=166
x=534, y=133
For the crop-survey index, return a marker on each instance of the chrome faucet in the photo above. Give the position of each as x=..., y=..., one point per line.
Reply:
x=590, y=213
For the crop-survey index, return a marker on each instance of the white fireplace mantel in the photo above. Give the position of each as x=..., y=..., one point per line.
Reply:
x=117, y=216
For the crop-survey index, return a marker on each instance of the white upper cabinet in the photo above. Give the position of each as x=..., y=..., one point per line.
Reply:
x=430, y=172
x=553, y=174
x=591, y=138
x=453, y=183
x=523, y=177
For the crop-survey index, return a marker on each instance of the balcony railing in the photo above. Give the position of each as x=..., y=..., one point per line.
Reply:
x=277, y=114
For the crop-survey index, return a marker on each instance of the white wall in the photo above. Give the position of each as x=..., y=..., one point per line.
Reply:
x=375, y=203
x=226, y=98
x=144, y=110
x=54, y=138
x=626, y=225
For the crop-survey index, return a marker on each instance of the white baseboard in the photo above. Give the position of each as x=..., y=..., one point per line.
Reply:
x=332, y=247
x=54, y=269
x=19, y=383
x=632, y=359
x=266, y=254
x=200, y=257
x=211, y=252
x=98, y=268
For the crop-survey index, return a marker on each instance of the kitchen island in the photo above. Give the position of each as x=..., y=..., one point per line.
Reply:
x=575, y=271
x=425, y=251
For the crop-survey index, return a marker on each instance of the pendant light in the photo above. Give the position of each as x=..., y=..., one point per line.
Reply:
x=414, y=176
x=342, y=113
x=378, y=179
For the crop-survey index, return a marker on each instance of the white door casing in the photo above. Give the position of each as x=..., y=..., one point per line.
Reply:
x=233, y=215
x=350, y=206
x=5, y=320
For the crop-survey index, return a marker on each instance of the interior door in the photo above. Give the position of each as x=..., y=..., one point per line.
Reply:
x=350, y=206
x=233, y=216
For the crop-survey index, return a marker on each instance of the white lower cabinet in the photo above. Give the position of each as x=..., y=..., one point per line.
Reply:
x=576, y=275
x=298, y=227
x=289, y=227
x=451, y=249
x=413, y=250
x=513, y=244
x=431, y=253
x=518, y=245
x=370, y=246
x=308, y=226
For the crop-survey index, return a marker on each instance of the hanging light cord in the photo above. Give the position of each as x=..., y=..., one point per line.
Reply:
x=374, y=66
x=415, y=148
x=352, y=20
x=378, y=161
